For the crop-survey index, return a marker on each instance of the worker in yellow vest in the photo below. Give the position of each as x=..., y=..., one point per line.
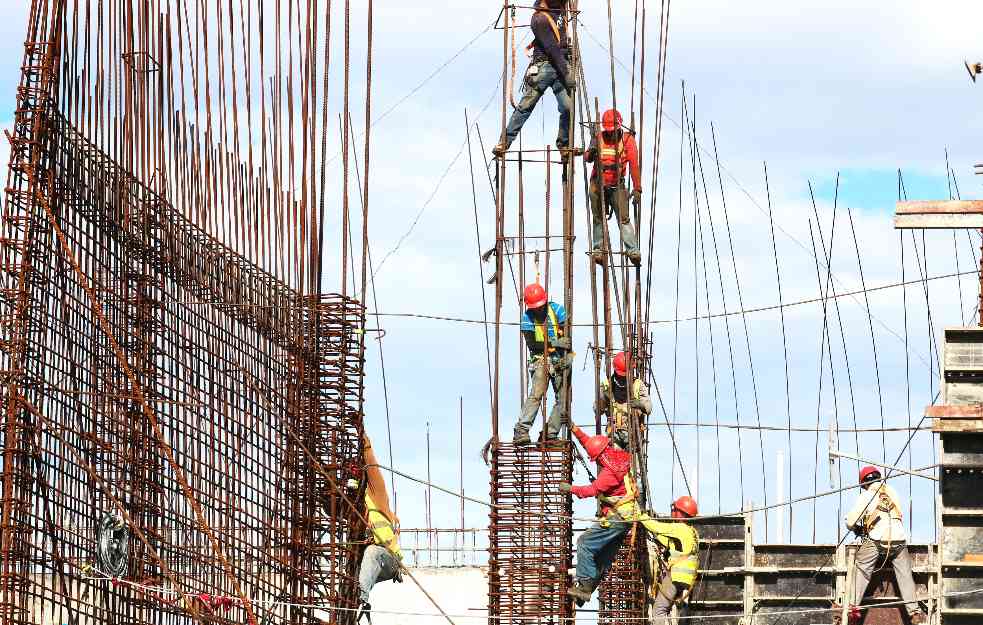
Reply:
x=676, y=555
x=382, y=558
x=876, y=518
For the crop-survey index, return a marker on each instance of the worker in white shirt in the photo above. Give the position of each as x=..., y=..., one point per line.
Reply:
x=876, y=518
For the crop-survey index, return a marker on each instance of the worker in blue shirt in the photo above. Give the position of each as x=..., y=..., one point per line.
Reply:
x=549, y=362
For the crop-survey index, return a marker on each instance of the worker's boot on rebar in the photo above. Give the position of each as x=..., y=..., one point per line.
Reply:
x=499, y=150
x=581, y=591
x=597, y=256
x=521, y=438
x=635, y=258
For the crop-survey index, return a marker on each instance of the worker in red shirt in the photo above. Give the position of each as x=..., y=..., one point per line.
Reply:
x=617, y=154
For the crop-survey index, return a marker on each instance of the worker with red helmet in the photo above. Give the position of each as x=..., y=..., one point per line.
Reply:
x=615, y=489
x=549, y=362
x=549, y=69
x=614, y=400
x=676, y=556
x=876, y=517
x=616, y=154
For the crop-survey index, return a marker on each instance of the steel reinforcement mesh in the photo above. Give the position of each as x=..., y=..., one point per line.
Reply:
x=152, y=373
x=621, y=597
x=530, y=534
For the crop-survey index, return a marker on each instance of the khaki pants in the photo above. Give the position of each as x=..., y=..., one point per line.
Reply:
x=616, y=197
x=873, y=554
x=669, y=592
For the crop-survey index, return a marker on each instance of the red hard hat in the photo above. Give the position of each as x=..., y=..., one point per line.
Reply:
x=685, y=505
x=621, y=364
x=867, y=471
x=596, y=445
x=534, y=295
x=611, y=120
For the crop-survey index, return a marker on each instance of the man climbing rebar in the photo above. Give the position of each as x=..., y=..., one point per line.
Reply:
x=549, y=362
x=616, y=491
x=616, y=153
x=549, y=69
x=876, y=518
x=614, y=400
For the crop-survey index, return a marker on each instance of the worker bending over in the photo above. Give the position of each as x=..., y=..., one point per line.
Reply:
x=616, y=491
x=549, y=362
x=614, y=400
x=382, y=558
x=876, y=518
x=615, y=151
x=549, y=69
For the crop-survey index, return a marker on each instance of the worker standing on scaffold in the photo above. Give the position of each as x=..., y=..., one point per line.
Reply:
x=615, y=400
x=616, y=152
x=616, y=490
x=542, y=327
x=549, y=69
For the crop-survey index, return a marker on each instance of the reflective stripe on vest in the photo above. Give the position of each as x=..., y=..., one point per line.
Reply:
x=614, y=165
x=683, y=565
x=540, y=327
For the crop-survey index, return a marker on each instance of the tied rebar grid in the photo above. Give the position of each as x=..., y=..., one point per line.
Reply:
x=530, y=534
x=256, y=397
x=621, y=597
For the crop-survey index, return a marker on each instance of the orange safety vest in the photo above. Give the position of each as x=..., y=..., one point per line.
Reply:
x=612, y=157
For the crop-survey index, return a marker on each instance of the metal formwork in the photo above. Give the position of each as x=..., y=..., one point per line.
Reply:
x=530, y=535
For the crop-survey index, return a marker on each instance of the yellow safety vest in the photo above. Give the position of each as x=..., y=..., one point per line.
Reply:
x=885, y=505
x=383, y=532
x=682, y=542
x=541, y=327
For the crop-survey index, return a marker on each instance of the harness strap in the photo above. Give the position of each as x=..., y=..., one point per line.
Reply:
x=553, y=24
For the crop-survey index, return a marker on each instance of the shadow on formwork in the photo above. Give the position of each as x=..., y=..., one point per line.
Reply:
x=156, y=378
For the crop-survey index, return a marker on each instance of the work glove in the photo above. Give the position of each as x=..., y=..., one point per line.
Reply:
x=636, y=198
x=564, y=487
x=590, y=155
x=562, y=343
x=638, y=404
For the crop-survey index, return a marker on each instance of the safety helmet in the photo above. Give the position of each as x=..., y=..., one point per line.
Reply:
x=534, y=295
x=621, y=364
x=611, y=120
x=596, y=445
x=869, y=474
x=685, y=506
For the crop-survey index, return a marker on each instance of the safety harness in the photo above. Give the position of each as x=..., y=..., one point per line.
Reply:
x=611, y=156
x=886, y=506
x=540, y=331
x=383, y=532
x=618, y=411
x=543, y=9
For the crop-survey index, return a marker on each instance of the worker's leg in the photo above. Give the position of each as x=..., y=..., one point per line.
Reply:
x=526, y=105
x=538, y=379
x=594, y=553
x=619, y=197
x=901, y=560
x=664, y=599
x=868, y=555
x=373, y=562
x=598, y=221
x=563, y=105
x=561, y=383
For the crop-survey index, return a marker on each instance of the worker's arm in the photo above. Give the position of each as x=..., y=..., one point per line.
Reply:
x=855, y=515
x=673, y=529
x=642, y=401
x=581, y=436
x=606, y=482
x=546, y=38
x=591, y=152
x=631, y=154
x=534, y=346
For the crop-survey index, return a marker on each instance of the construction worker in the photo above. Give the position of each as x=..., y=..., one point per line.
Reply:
x=548, y=70
x=617, y=153
x=876, y=518
x=549, y=362
x=676, y=555
x=614, y=400
x=382, y=558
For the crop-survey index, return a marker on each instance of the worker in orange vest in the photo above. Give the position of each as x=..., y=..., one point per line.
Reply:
x=617, y=154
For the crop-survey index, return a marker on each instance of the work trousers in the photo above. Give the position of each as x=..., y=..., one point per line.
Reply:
x=873, y=554
x=669, y=592
x=546, y=78
x=557, y=375
x=378, y=565
x=617, y=198
x=597, y=548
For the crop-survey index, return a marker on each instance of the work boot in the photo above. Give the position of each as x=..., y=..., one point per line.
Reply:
x=635, y=258
x=918, y=617
x=499, y=149
x=581, y=591
x=521, y=438
x=597, y=256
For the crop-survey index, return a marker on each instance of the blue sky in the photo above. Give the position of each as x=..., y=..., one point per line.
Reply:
x=812, y=88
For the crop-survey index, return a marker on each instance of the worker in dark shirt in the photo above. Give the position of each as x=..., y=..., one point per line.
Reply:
x=549, y=70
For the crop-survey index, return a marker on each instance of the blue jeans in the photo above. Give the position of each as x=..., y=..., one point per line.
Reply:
x=378, y=565
x=547, y=78
x=596, y=549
